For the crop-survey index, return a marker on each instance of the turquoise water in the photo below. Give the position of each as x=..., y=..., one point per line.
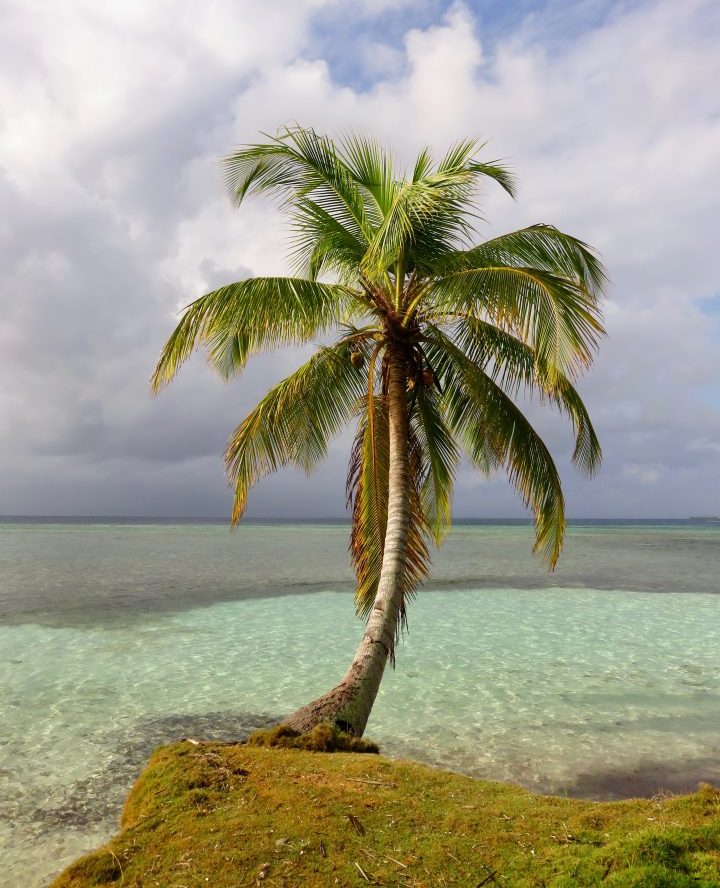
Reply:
x=116, y=638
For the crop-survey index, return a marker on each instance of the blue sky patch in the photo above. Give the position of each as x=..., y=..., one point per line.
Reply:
x=362, y=49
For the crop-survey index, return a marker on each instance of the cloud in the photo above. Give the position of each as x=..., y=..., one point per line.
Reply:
x=112, y=119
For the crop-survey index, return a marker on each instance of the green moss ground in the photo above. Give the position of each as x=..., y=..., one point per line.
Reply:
x=232, y=816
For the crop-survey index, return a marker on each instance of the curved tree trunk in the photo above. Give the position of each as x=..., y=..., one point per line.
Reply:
x=348, y=705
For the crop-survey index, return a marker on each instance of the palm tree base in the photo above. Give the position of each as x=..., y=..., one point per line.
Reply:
x=347, y=705
x=328, y=709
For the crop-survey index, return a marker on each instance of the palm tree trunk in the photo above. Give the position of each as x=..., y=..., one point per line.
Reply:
x=348, y=705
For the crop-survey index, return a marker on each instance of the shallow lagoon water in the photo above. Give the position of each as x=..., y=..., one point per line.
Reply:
x=115, y=639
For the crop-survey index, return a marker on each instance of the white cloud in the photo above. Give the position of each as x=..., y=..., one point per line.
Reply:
x=111, y=122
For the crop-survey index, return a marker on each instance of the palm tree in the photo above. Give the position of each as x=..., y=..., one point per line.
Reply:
x=432, y=339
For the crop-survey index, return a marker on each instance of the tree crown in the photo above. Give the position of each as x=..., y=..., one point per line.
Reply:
x=386, y=259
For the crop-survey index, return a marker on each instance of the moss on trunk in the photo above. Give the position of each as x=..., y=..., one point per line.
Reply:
x=322, y=738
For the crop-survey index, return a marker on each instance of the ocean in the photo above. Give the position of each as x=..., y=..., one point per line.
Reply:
x=601, y=680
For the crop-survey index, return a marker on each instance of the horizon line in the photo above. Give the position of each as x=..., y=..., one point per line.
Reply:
x=327, y=518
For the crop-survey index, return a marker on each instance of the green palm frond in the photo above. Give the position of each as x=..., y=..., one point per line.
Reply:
x=294, y=422
x=439, y=459
x=412, y=204
x=423, y=164
x=322, y=245
x=240, y=319
x=451, y=224
x=538, y=246
x=463, y=155
x=374, y=170
x=297, y=164
x=556, y=315
x=513, y=365
x=495, y=434
x=428, y=217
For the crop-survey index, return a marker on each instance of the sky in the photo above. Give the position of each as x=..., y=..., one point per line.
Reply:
x=113, y=117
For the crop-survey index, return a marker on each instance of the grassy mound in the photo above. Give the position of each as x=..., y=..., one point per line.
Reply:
x=234, y=816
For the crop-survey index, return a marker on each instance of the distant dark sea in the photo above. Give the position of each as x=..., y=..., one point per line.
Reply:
x=489, y=522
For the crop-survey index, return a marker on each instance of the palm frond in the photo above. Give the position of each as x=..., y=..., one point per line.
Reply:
x=295, y=420
x=539, y=246
x=432, y=213
x=240, y=319
x=367, y=494
x=555, y=315
x=412, y=202
x=513, y=365
x=423, y=164
x=432, y=209
x=321, y=244
x=463, y=156
x=450, y=226
x=296, y=164
x=373, y=168
x=495, y=433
